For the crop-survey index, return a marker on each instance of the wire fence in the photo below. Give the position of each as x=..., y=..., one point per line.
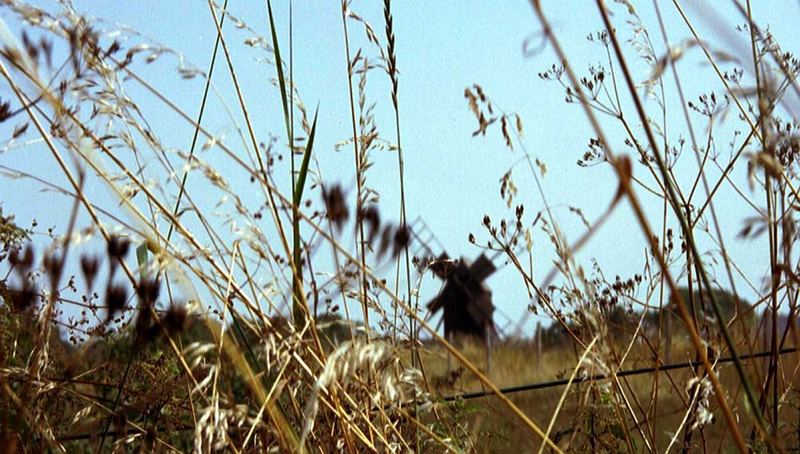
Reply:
x=596, y=377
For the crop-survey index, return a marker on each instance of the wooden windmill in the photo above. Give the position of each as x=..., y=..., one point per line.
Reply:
x=465, y=301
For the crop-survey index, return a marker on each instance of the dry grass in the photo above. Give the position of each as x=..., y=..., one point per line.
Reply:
x=217, y=326
x=587, y=420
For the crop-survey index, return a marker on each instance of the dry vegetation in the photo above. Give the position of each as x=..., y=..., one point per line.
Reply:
x=212, y=328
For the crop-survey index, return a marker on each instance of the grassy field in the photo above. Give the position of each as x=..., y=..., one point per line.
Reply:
x=265, y=307
x=588, y=418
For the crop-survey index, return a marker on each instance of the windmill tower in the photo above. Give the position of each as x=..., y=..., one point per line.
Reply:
x=465, y=300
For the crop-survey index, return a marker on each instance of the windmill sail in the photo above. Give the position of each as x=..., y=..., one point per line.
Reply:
x=482, y=268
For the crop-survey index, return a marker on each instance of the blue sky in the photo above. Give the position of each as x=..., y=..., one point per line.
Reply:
x=452, y=178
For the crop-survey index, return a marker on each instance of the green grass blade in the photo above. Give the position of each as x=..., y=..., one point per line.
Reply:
x=297, y=197
x=301, y=176
x=297, y=283
x=276, y=49
x=141, y=259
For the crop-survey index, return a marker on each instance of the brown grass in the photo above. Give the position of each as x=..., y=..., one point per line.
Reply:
x=142, y=323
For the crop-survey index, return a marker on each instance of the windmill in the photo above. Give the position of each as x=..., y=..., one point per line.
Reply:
x=465, y=301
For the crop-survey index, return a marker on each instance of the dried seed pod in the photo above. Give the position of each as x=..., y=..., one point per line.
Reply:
x=116, y=298
x=386, y=237
x=174, y=321
x=148, y=290
x=118, y=247
x=146, y=330
x=89, y=267
x=53, y=265
x=372, y=217
x=22, y=299
x=22, y=260
x=5, y=111
x=335, y=205
x=401, y=240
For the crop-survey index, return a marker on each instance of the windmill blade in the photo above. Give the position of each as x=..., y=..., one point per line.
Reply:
x=482, y=268
x=434, y=305
x=501, y=330
x=424, y=238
